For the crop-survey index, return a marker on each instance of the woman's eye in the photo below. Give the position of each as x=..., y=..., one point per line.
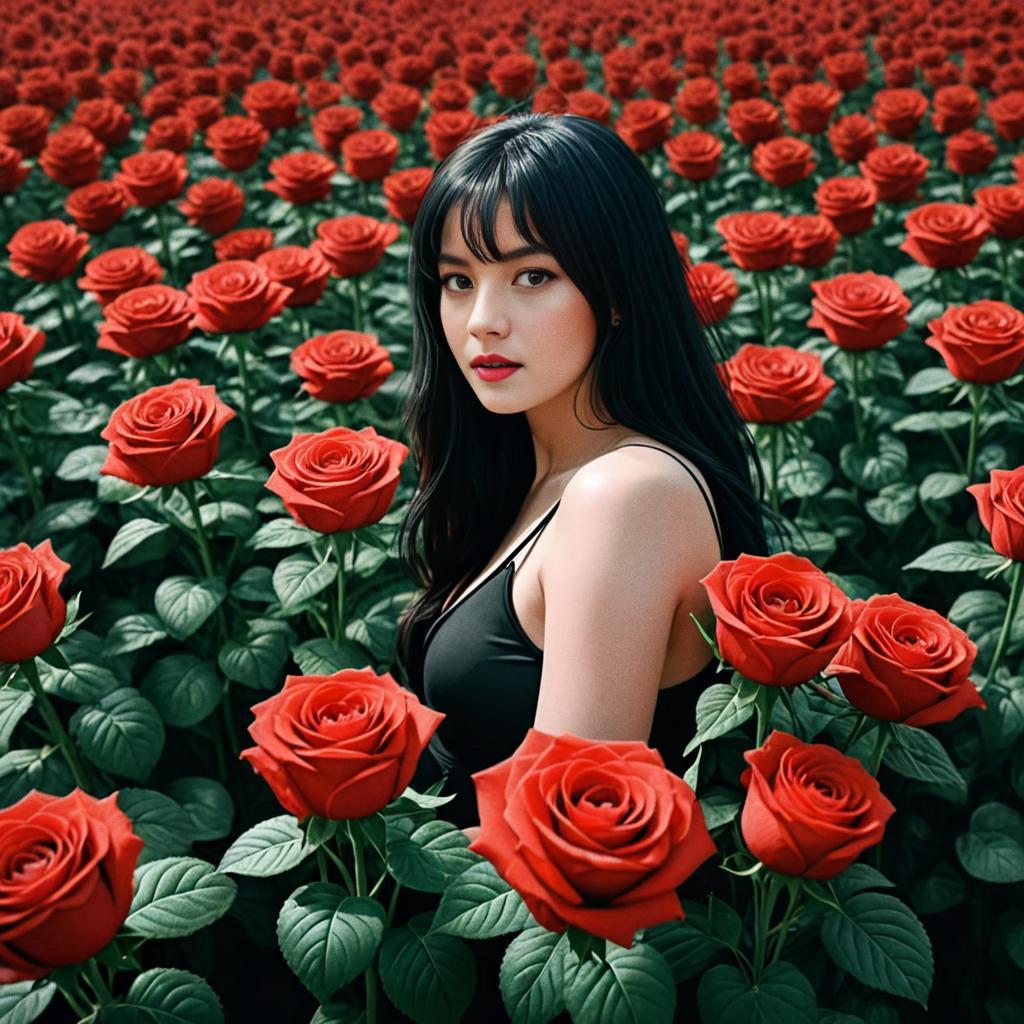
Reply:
x=543, y=274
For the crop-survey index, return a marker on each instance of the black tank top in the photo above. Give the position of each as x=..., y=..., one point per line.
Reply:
x=481, y=669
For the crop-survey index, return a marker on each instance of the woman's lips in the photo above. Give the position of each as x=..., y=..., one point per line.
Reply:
x=494, y=373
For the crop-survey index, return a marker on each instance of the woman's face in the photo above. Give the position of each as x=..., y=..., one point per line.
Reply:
x=525, y=310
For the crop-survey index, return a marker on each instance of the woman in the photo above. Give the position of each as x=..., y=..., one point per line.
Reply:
x=563, y=541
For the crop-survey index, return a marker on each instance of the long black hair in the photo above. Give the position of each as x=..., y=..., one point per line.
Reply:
x=598, y=210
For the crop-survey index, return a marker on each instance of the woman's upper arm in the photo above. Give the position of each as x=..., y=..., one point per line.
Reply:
x=630, y=542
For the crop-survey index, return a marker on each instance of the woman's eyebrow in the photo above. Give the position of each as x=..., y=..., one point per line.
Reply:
x=523, y=250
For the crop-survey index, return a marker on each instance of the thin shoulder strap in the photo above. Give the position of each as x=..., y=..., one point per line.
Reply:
x=711, y=507
x=535, y=532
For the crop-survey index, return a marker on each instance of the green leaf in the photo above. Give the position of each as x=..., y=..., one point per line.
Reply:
x=782, y=996
x=255, y=584
x=207, y=805
x=57, y=516
x=23, y=1001
x=165, y=995
x=939, y=486
x=269, y=848
x=158, y=820
x=83, y=463
x=686, y=949
x=122, y=733
x=479, y=904
x=138, y=537
x=429, y=977
x=945, y=887
x=928, y=422
x=720, y=806
x=300, y=577
x=879, y=461
x=133, y=632
x=13, y=705
x=719, y=710
x=929, y=380
x=805, y=475
x=26, y=769
x=184, y=603
x=532, y=976
x=958, y=556
x=177, y=896
x=323, y=657
x=992, y=849
x=429, y=857
x=327, y=937
x=257, y=663
x=629, y=986
x=880, y=941
x=858, y=877
x=716, y=921
x=282, y=533
x=185, y=689
x=919, y=755
x=893, y=504
x=82, y=682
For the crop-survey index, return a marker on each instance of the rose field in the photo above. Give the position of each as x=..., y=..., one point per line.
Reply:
x=207, y=740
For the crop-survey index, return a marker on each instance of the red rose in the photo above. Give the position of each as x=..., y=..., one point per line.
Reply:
x=713, y=291
x=956, y=107
x=98, y=206
x=244, y=244
x=398, y=105
x=32, y=611
x=342, y=366
x=354, y=244
x=320, y=93
x=588, y=103
x=896, y=171
x=1003, y=206
x=72, y=156
x=235, y=297
x=117, y=270
x=275, y=104
x=303, y=270
x=852, y=137
x=69, y=886
x=153, y=176
x=846, y=70
x=213, y=204
x=19, y=345
x=1018, y=167
x=982, y=342
x=775, y=384
x=754, y=120
x=809, y=106
x=332, y=125
x=25, y=127
x=860, y=310
x=166, y=435
x=848, y=202
x=644, y=123
x=944, y=234
x=46, y=250
x=594, y=834
x=172, y=131
x=236, y=141
x=757, y=241
x=146, y=320
x=105, y=118
x=810, y=811
x=203, y=110
x=969, y=152
x=783, y=161
x=1006, y=112
x=445, y=129
x=12, y=171
x=1001, y=510
x=404, y=191
x=513, y=75
x=340, y=746
x=339, y=479
x=905, y=663
x=369, y=155
x=814, y=239
x=302, y=177
x=699, y=101
x=694, y=155
x=778, y=619
x=898, y=112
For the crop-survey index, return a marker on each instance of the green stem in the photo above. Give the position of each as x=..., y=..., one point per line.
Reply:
x=851, y=253
x=884, y=735
x=1016, y=581
x=944, y=289
x=357, y=304
x=76, y=999
x=964, y=198
x=858, y=730
x=95, y=979
x=321, y=863
x=393, y=902
x=34, y=494
x=764, y=904
x=239, y=341
x=161, y=219
x=340, y=865
x=188, y=488
x=853, y=361
x=53, y=722
x=776, y=455
x=763, y=704
x=339, y=542
x=825, y=692
x=793, y=892
x=954, y=451
x=1004, y=268
x=355, y=834
x=977, y=395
